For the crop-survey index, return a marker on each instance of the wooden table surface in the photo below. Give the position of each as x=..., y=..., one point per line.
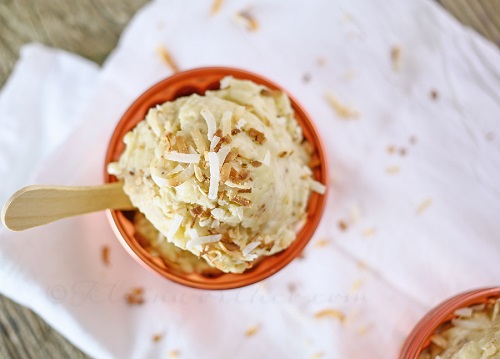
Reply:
x=91, y=28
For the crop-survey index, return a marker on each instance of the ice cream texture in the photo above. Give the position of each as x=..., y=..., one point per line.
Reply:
x=225, y=175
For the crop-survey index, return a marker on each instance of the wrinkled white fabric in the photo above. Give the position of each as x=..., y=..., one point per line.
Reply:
x=421, y=226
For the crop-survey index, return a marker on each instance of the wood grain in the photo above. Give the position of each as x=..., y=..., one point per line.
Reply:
x=481, y=15
x=91, y=28
x=37, y=205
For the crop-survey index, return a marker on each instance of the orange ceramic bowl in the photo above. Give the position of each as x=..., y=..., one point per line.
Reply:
x=184, y=84
x=419, y=338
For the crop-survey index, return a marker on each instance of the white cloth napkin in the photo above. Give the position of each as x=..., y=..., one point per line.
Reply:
x=422, y=222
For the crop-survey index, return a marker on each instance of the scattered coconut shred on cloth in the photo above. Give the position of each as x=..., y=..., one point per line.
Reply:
x=437, y=214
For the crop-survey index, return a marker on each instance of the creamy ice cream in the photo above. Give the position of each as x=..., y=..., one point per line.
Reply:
x=224, y=176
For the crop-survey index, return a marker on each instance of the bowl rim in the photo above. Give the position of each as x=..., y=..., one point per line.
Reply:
x=418, y=339
x=314, y=214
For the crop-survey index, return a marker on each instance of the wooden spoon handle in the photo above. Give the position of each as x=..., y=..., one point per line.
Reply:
x=36, y=205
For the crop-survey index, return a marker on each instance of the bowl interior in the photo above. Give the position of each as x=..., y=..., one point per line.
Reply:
x=184, y=84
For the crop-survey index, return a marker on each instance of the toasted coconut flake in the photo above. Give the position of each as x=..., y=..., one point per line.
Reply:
x=182, y=157
x=249, y=248
x=238, y=177
x=361, y=265
x=203, y=240
x=246, y=18
x=496, y=310
x=267, y=158
x=226, y=139
x=227, y=117
x=167, y=58
x=230, y=246
x=223, y=154
x=210, y=120
x=318, y=187
x=393, y=169
x=396, y=56
x=216, y=5
x=224, y=173
x=157, y=337
x=342, y=225
x=105, y=255
x=241, y=201
x=235, y=132
x=174, y=226
x=322, y=243
x=213, y=162
x=256, y=135
x=362, y=330
x=256, y=163
x=357, y=284
x=368, y=232
x=214, y=142
x=181, y=144
x=330, y=313
x=199, y=141
x=245, y=190
x=197, y=173
x=251, y=331
x=135, y=296
x=424, y=206
x=340, y=109
x=232, y=155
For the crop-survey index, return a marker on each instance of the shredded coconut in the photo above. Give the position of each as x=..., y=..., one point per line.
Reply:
x=223, y=152
x=213, y=162
x=215, y=141
x=267, y=158
x=210, y=120
x=182, y=157
x=318, y=187
x=241, y=122
x=203, y=240
x=249, y=248
x=174, y=226
x=227, y=116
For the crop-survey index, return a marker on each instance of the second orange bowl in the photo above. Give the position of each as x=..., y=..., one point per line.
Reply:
x=419, y=338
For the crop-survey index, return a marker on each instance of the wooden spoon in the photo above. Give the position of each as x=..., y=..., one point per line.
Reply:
x=36, y=205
